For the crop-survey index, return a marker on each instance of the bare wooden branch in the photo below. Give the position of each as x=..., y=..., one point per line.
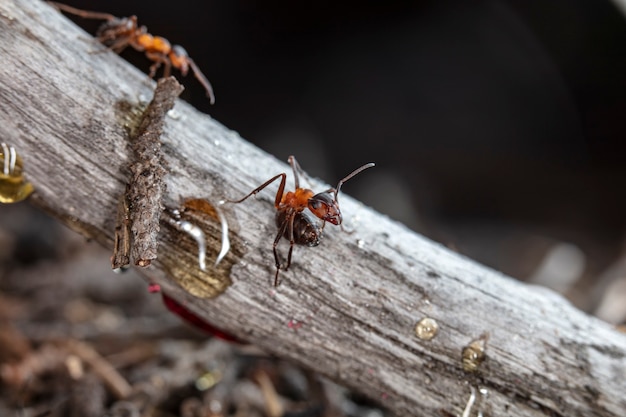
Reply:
x=347, y=308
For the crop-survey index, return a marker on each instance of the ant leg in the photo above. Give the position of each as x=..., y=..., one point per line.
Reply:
x=296, y=168
x=117, y=46
x=297, y=171
x=281, y=232
x=291, y=240
x=279, y=194
x=153, y=69
x=114, y=42
x=276, y=276
x=202, y=79
x=158, y=59
x=343, y=229
x=167, y=69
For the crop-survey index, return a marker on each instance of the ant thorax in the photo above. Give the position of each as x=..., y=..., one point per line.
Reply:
x=298, y=199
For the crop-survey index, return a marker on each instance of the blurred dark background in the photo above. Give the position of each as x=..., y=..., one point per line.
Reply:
x=497, y=126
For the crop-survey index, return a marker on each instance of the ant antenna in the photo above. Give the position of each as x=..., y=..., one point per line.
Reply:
x=352, y=174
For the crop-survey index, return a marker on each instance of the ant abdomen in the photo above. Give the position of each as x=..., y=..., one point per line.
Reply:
x=306, y=229
x=109, y=30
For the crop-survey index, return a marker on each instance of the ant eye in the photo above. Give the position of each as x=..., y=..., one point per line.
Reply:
x=315, y=204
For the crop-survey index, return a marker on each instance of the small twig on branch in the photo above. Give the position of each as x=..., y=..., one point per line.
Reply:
x=146, y=186
x=101, y=367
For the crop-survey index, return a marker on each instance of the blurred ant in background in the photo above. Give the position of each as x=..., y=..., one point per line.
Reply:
x=119, y=32
x=296, y=224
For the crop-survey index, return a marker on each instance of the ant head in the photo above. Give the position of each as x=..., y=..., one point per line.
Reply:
x=324, y=206
x=180, y=59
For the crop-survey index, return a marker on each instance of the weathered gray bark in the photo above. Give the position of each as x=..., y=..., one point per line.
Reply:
x=347, y=308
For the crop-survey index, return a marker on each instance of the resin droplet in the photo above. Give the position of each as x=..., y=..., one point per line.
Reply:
x=174, y=114
x=475, y=353
x=426, y=328
x=196, y=233
x=13, y=186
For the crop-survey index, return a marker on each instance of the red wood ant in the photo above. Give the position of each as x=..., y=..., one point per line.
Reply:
x=296, y=224
x=119, y=32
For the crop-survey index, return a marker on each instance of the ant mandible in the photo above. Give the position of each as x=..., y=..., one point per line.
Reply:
x=119, y=32
x=296, y=224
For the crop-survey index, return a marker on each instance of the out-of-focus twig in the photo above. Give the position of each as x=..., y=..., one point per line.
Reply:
x=100, y=366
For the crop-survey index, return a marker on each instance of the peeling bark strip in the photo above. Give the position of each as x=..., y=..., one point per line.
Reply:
x=121, y=244
x=146, y=186
x=348, y=310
